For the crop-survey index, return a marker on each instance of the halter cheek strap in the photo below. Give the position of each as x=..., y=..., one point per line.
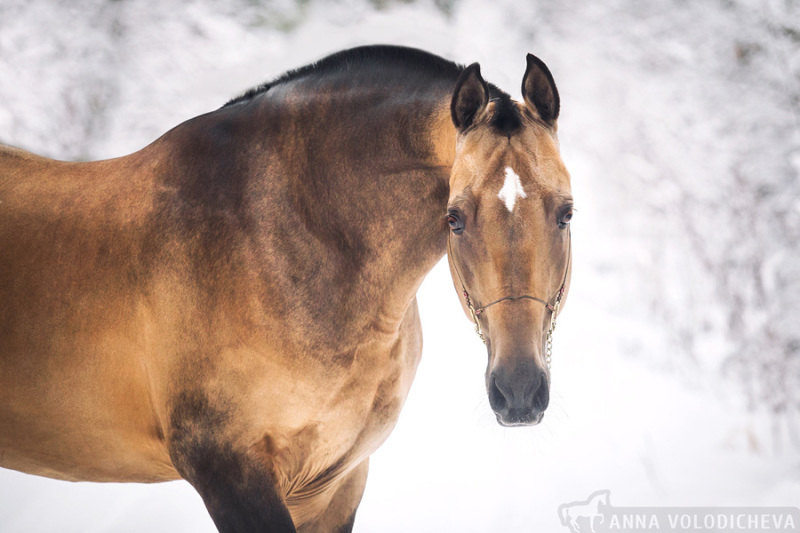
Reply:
x=553, y=307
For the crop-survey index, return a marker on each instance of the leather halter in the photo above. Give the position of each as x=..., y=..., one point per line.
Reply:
x=476, y=311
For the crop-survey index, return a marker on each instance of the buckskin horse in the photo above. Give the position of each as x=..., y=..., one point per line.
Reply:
x=235, y=304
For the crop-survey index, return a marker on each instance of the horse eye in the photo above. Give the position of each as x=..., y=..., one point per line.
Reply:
x=455, y=223
x=565, y=218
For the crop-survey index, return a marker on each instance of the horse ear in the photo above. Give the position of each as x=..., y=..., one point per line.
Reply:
x=539, y=90
x=469, y=97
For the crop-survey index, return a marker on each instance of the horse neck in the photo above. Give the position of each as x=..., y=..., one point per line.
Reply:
x=363, y=188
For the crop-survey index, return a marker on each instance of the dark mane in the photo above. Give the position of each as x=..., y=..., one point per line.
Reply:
x=506, y=118
x=418, y=60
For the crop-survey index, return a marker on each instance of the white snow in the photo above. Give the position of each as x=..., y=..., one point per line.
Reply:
x=679, y=127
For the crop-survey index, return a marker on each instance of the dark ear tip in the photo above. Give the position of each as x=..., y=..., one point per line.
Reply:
x=542, y=93
x=532, y=60
x=469, y=97
x=474, y=68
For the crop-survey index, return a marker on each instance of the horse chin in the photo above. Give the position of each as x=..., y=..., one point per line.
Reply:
x=516, y=420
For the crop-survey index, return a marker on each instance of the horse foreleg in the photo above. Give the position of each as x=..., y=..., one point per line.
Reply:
x=340, y=514
x=237, y=486
x=238, y=492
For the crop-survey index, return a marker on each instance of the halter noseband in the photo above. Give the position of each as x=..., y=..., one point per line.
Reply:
x=475, y=312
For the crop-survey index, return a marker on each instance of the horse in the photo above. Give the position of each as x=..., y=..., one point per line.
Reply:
x=235, y=304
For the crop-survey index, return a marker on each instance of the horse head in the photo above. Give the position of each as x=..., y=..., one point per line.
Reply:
x=509, y=210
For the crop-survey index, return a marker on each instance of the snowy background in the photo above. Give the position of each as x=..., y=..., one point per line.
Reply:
x=676, y=373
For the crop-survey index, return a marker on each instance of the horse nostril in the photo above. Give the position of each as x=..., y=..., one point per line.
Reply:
x=497, y=400
x=541, y=397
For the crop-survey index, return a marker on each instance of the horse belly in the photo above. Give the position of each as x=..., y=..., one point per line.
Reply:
x=75, y=394
x=75, y=399
x=81, y=417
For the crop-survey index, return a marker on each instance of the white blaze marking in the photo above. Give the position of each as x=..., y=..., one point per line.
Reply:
x=511, y=189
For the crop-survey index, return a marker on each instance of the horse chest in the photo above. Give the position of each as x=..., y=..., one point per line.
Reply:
x=355, y=410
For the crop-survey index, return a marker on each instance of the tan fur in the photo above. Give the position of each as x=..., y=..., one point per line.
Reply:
x=87, y=375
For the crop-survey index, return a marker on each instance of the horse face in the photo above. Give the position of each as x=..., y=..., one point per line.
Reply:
x=509, y=245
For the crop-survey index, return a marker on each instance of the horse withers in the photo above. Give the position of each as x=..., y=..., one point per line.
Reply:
x=234, y=304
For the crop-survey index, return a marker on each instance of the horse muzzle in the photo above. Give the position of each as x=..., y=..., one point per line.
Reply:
x=518, y=393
